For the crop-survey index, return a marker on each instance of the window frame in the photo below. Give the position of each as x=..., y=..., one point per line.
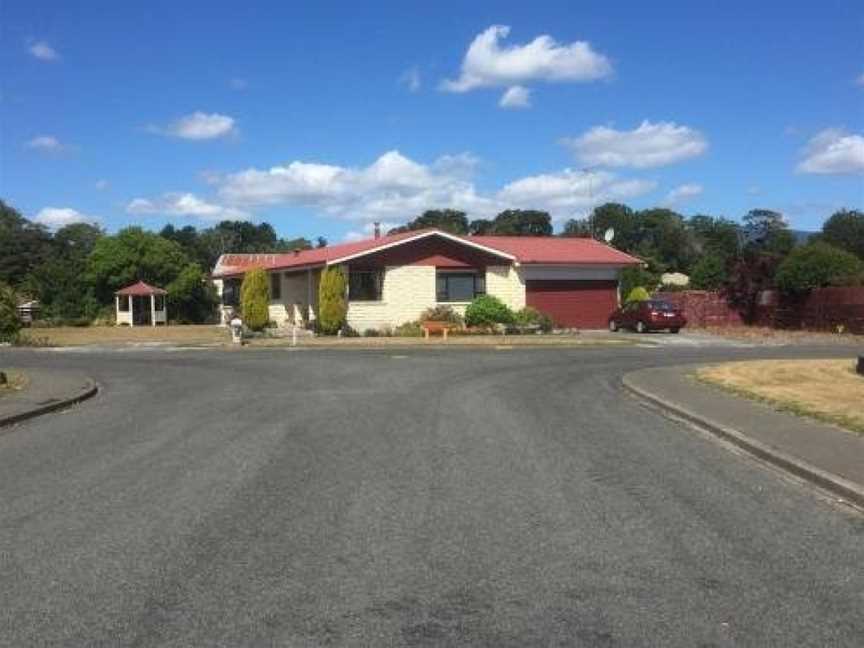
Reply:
x=479, y=287
x=275, y=282
x=377, y=294
x=231, y=288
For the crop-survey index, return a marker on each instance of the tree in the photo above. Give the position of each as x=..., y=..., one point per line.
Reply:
x=665, y=237
x=709, y=273
x=481, y=227
x=522, y=222
x=132, y=255
x=622, y=219
x=818, y=265
x=192, y=299
x=332, y=304
x=23, y=245
x=574, y=228
x=10, y=324
x=845, y=230
x=767, y=231
x=750, y=274
x=718, y=237
x=448, y=220
x=633, y=277
x=255, y=299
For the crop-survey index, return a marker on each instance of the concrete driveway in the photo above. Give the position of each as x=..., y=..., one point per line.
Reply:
x=374, y=498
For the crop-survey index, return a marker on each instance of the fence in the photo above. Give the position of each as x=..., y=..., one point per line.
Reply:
x=824, y=309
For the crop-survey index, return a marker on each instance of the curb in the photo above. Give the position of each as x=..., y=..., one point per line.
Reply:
x=91, y=390
x=844, y=488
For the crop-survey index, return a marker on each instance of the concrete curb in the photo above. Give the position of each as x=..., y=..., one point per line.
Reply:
x=88, y=392
x=837, y=485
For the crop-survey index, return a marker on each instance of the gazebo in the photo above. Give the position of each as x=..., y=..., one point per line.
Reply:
x=141, y=305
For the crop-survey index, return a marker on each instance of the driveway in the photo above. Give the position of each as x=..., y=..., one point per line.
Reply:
x=434, y=497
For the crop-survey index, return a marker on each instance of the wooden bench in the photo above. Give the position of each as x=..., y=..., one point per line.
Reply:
x=436, y=327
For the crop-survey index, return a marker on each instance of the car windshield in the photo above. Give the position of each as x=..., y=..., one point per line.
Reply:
x=660, y=306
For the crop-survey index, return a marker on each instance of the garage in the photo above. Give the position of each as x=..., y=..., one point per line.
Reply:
x=574, y=303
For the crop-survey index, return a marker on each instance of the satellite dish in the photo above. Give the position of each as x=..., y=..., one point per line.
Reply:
x=609, y=234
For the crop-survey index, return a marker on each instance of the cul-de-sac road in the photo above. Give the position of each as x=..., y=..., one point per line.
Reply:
x=405, y=497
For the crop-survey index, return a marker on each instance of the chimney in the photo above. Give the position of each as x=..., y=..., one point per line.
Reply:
x=377, y=230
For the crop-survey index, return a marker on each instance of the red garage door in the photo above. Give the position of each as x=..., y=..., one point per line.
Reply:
x=580, y=304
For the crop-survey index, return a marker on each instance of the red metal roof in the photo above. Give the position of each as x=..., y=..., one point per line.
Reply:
x=536, y=250
x=141, y=289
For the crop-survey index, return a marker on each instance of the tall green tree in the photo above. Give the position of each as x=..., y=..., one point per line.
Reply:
x=448, y=220
x=23, y=245
x=577, y=228
x=255, y=299
x=665, y=237
x=522, y=222
x=192, y=299
x=767, y=231
x=131, y=255
x=818, y=265
x=10, y=324
x=718, y=237
x=845, y=230
x=332, y=303
x=628, y=231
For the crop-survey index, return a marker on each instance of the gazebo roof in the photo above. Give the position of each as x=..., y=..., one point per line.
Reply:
x=141, y=289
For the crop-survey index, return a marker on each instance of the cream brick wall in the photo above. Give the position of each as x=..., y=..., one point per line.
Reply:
x=506, y=283
x=406, y=293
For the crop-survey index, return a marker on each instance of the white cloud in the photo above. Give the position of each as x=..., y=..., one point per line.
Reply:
x=833, y=151
x=569, y=191
x=43, y=51
x=368, y=231
x=516, y=97
x=238, y=84
x=410, y=78
x=101, y=184
x=489, y=64
x=57, y=217
x=45, y=144
x=649, y=145
x=395, y=188
x=682, y=193
x=185, y=204
x=198, y=126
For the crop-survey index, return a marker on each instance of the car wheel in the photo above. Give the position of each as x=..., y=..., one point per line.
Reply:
x=641, y=328
x=674, y=330
x=613, y=326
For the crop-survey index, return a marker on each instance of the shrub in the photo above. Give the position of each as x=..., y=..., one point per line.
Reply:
x=441, y=313
x=192, y=297
x=817, y=265
x=10, y=324
x=709, y=273
x=408, y=329
x=255, y=299
x=487, y=310
x=639, y=276
x=332, y=305
x=530, y=316
x=637, y=294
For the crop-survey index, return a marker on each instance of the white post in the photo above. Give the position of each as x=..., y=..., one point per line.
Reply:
x=131, y=312
x=116, y=310
x=153, y=310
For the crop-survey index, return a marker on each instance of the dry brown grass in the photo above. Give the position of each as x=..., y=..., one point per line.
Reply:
x=93, y=335
x=767, y=335
x=828, y=390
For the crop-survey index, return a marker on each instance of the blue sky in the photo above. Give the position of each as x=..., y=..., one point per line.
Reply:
x=324, y=117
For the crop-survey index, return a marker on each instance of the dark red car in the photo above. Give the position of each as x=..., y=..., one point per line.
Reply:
x=651, y=315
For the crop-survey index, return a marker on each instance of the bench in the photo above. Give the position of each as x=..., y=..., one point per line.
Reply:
x=435, y=327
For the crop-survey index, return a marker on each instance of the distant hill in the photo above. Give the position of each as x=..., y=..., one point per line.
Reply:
x=801, y=237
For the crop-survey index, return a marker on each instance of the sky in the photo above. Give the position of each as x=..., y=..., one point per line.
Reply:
x=322, y=118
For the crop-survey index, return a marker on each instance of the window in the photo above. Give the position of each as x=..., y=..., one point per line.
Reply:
x=231, y=292
x=124, y=304
x=365, y=285
x=275, y=286
x=459, y=286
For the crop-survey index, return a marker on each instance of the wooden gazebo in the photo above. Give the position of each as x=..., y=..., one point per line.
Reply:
x=141, y=305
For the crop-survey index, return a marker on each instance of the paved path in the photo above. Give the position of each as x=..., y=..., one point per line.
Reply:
x=47, y=390
x=502, y=498
x=817, y=450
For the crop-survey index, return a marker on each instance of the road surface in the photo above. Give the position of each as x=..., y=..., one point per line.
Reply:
x=377, y=498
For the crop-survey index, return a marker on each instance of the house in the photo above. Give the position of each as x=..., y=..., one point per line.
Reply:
x=393, y=279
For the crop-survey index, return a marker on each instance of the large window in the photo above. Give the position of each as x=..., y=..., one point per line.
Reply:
x=459, y=286
x=365, y=285
x=231, y=292
x=276, y=286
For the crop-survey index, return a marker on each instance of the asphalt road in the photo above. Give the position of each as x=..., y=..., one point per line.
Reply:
x=510, y=497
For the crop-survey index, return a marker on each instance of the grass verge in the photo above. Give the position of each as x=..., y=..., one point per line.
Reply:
x=826, y=390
